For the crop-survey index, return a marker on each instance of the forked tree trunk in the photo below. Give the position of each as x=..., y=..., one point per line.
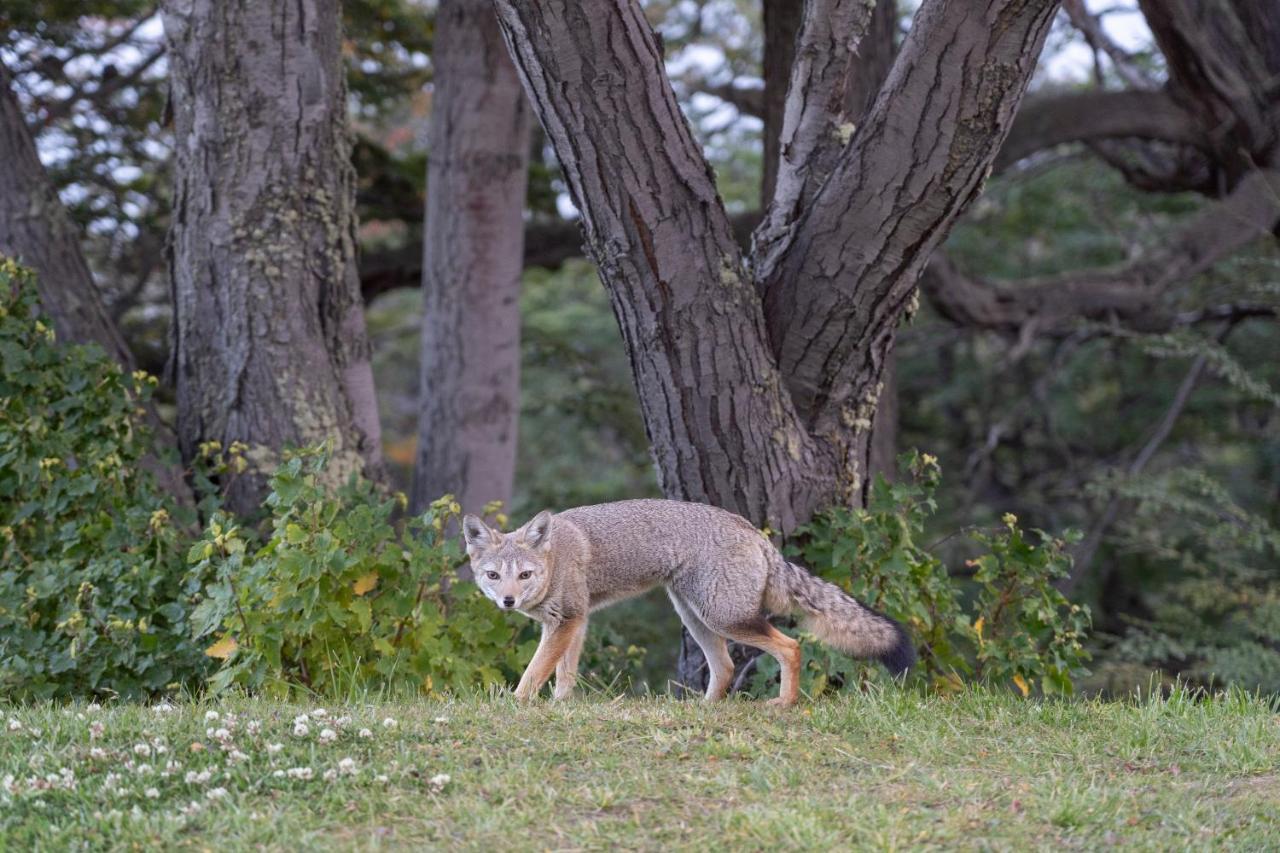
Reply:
x=269, y=344
x=35, y=229
x=473, y=253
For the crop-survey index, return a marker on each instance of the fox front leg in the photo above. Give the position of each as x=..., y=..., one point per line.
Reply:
x=556, y=639
x=567, y=668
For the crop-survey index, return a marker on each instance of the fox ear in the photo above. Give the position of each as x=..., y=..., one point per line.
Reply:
x=475, y=532
x=537, y=532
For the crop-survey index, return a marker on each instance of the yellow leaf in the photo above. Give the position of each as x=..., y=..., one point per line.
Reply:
x=365, y=583
x=222, y=649
x=977, y=626
x=1022, y=685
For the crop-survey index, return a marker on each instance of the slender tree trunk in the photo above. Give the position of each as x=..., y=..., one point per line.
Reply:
x=269, y=342
x=35, y=229
x=473, y=254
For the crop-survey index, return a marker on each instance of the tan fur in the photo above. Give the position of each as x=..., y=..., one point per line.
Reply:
x=722, y=576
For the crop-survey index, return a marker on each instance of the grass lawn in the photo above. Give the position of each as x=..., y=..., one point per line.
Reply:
x=883, y=770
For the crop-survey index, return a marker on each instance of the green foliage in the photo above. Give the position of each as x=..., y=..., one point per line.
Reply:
x=1006, y=624
x=91, y=598
x=1211, y=597
x=339, y=596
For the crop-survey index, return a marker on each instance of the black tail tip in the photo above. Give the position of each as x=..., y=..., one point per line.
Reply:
x=900, y=658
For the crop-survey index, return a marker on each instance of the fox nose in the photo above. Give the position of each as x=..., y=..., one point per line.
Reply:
x=508, y=602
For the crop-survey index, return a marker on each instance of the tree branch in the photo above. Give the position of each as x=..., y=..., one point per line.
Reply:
x=1128, y=293
x=1090, y=26
x=854, y=257
x=815, y=123
x=1049, y=121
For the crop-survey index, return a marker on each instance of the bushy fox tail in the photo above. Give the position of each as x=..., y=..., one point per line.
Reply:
x=838, y=619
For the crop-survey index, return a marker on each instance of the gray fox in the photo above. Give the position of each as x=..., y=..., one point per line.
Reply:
x=723, y=576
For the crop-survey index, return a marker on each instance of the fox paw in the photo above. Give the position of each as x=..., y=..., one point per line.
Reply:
x=780, y=702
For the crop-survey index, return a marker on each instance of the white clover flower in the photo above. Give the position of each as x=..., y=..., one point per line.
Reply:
x=152, y=793
x=389, y=723
x=300, y=773
x=347, y=766
x=161, y=749
x=142, y=769
x=210, y=716
x=438, y=781
x=222, y=735
x=366, y=733
x=301, y=718
x=441, y=720
x=93, y=707
x=381, y=777
x=215, y=793
x=330, y=775
x=162, y=708
x=194, y=778
x=344, y=720
x=253, y=727
x=237, y=756
x=97, y=753
x=143, y=749
x=14, y=725
x=273, y=748
x=328, y=735
x=319, y=713
x=96, y=729
x=279, y=774
x=301, y=730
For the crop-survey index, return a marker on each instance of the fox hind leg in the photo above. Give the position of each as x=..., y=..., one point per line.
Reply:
x=759, y=633
x=714, y=649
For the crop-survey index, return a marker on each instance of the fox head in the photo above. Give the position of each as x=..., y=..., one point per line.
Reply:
x=510, y=568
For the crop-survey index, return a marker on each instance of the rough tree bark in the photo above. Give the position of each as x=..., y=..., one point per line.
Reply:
x=758, y=388
x=35, y=228
x=472, y=259
x=269, y=344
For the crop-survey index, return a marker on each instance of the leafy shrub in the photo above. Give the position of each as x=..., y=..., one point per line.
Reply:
x=1210, y=591
x=339, y=595
x=1006, y=623
x=91, y=595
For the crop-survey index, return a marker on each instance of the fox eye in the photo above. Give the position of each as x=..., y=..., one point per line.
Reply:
x=524, y=576
x=493, y=576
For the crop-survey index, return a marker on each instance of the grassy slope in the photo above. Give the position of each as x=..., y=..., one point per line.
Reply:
x=884, y=770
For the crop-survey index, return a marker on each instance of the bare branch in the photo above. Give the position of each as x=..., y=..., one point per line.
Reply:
x=1046, y=122
x=1128, y=293
x=1090, y=26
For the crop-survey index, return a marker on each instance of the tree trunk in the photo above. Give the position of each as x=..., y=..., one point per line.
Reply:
x=269, y=344
x=35, y=229
x=473, y=254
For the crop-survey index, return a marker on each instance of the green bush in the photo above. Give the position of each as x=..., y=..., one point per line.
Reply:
x=1210, y=592
x=91, y=595
x=339, y=595
x=1000, y=620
